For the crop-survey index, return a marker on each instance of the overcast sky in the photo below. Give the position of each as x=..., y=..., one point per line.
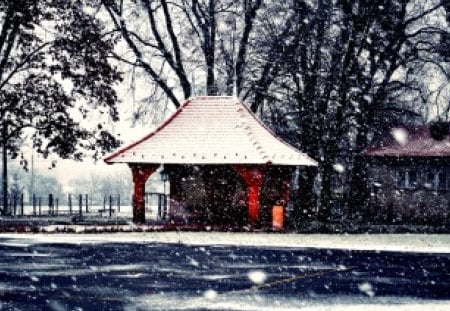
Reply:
x=66, y=170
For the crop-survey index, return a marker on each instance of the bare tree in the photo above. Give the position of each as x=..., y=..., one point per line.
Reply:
x=207, y=47
x=355, y=69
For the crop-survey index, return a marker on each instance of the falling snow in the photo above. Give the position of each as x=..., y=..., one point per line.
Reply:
x=257, y=276
x=210, y=294
x=339, y=168
x=367, y=289
x=400, y=135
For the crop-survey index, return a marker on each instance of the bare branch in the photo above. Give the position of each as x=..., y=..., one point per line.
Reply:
x=424, y=13
x=25, y=61
x=140, y=59
x=249, y=19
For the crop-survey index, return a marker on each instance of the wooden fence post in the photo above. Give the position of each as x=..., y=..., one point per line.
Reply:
x=160, y=206
x=80, y=203
x=110, y=205
x=21, y=203
x=50, y=204
x=69, y=201
x=34, y=204
x=40, y=205
x=14, y=199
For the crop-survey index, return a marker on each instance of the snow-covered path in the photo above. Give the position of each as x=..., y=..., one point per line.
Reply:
x=424, y=243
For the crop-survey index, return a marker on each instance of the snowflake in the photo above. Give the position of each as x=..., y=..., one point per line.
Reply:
x=339, y=168
x=210, y=294
x=400, y=135
x=257, y=276
x=366, y=288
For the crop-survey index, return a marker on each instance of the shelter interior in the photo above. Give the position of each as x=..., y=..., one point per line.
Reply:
x=224, y=195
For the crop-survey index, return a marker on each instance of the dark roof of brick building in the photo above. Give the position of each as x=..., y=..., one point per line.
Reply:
x=410, y=141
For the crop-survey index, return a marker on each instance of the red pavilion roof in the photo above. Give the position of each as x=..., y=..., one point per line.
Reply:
x=211, y=130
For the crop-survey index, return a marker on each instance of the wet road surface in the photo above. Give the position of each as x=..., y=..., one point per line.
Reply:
x=152, y=276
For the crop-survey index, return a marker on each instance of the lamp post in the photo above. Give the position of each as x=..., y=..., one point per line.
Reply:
x=164, y=178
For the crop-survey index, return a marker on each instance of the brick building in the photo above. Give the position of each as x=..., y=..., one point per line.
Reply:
x=409, y=175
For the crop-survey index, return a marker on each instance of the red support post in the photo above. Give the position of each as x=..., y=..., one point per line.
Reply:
x=140, y=175
x=253, y=177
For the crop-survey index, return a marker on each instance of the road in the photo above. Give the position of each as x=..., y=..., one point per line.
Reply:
x=153, y=276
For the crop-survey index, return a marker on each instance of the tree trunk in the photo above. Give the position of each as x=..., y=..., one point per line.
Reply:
x=305, y=204
x=326, y=191
x=359, y=191
x=5, y=177
x=211, y=88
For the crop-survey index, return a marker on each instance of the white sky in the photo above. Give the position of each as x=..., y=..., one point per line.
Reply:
x=67, y=170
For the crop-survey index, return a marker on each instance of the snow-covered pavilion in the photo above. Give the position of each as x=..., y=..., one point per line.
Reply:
x=219, y=136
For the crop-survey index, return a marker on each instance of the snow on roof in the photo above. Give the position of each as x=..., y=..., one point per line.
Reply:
x=211, y=130
x=407, y=141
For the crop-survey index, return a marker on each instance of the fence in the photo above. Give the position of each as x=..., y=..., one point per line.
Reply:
x=81, y=204
x=160, y=201
x=53, y=206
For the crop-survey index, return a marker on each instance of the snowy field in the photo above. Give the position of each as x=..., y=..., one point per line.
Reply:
x=423, y=243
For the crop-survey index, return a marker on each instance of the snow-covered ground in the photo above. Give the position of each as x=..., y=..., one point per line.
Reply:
x=238, y=299
x=253, y=302
x=426, y=243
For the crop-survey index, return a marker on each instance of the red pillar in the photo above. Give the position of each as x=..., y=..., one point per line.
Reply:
x=140, y=175
x=253, y=178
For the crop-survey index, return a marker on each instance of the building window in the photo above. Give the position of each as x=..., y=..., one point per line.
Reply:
x=406, y=179
x=442, y=179
x=431, y=180
x=437, y=179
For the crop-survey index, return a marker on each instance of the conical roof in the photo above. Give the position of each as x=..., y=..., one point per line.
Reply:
x=211, y=130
